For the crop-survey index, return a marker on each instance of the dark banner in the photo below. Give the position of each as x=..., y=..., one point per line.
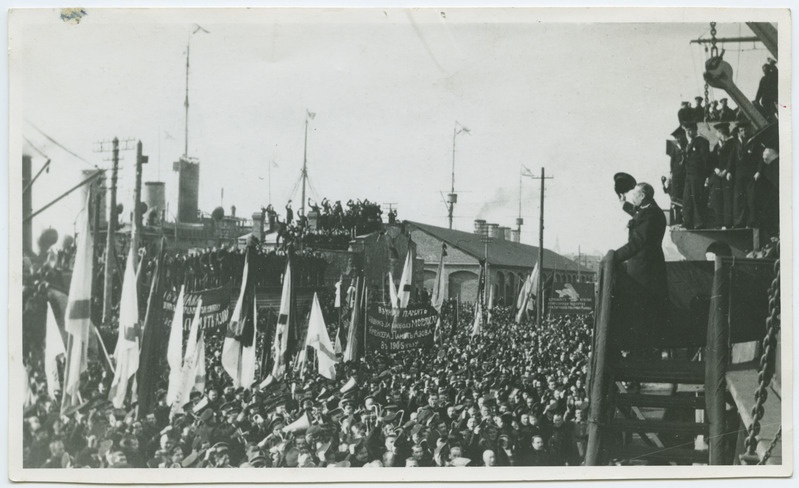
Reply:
x=568, y=298
x=410, y=329
x=215, y=311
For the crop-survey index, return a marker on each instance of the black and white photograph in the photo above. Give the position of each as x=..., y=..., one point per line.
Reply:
x=414, y=244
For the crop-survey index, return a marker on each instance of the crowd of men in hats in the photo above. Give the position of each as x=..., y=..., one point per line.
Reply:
x=714, y=111
x=514, y=395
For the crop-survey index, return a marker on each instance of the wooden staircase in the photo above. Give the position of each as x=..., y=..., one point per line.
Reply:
x=641, y=420
x=645, y=409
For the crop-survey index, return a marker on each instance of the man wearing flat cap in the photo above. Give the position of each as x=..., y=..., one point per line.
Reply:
x=726, y=114
x=698, y=110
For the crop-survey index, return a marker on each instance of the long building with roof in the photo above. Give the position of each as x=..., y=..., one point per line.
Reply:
x=509, y=261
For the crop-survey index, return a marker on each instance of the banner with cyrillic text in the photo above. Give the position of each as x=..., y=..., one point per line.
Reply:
x=408, y=329
x=568, y=298
x=214, y=313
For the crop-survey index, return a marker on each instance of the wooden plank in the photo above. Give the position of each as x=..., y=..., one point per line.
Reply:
x=660, y=426
x=686, y=372
x=667, y=454
x=660, y=401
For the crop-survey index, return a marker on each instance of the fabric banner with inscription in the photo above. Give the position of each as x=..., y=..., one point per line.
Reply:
x=571, y=298
x=215, y=312
x=402, y=330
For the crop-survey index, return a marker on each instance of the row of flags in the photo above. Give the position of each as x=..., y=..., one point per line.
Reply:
x=187, y=368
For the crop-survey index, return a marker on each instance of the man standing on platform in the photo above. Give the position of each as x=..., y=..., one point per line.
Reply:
x=696, y=159
x=644, y=285
x=746, y=163
x=722, y=194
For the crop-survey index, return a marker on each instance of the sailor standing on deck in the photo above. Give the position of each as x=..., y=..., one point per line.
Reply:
x=724, y=154
x=746, y=164
x=696, y=161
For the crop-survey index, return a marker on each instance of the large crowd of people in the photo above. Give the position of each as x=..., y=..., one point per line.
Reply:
x=515, y=395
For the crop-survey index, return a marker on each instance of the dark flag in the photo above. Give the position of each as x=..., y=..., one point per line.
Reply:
x=153, y=341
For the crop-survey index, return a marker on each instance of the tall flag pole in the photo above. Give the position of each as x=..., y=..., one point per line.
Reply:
x=127, y=350
x=53, y=348
x=232, y=347
x=78, y=312
x=280, y=346
x=174, y=352
x=152, y=339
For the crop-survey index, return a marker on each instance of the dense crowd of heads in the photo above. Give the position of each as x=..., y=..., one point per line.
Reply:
x=513, y=396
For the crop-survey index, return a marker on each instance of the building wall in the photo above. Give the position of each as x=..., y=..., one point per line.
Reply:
x=462, y=272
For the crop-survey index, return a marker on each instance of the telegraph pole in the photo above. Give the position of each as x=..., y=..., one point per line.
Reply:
x=109, y=237
x=137, y=214
x=110, y=248
x=540, y=293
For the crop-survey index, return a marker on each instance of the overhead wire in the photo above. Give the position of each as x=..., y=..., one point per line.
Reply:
x=59, y=144
x=41, y=153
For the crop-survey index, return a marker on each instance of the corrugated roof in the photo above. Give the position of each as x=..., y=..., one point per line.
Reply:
x=500, y=252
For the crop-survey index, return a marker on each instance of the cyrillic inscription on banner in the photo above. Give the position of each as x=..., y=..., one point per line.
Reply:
x=570, y=298
x=411, y=328
x=215, y=312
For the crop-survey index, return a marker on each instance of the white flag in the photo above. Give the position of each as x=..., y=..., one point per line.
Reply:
x=392, y=291
x=477, y=327
x=282, y=328
x=339, y=283
x=53, y=347
x=127, y=350
x=529, y=290
x=320, y=341
x=174, y=353
x=404, y=291
x=188, y=372
x=350, y=352
x=78, y=317
x=231, y=349
x=199, y=375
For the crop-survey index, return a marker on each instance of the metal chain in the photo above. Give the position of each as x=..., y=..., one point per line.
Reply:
x=767, y=454
x=767, y=367
x=714, y=51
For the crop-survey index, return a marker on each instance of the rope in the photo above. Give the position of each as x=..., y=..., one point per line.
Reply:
x=42, y=154
x=59, y=144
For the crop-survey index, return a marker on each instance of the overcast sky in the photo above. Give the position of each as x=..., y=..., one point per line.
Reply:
x=583, y=100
